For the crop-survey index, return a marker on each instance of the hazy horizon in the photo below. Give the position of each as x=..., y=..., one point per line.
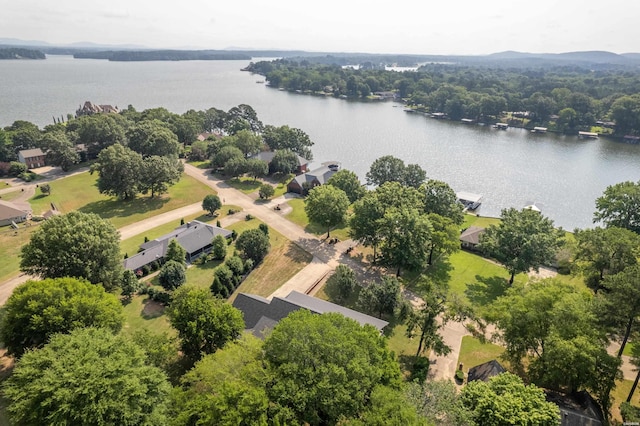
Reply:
x=450, y=28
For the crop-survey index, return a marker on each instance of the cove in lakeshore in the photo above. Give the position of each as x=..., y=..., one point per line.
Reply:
x=563, y=175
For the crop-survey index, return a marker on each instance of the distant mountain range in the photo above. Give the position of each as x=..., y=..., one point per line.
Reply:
x=586, y=59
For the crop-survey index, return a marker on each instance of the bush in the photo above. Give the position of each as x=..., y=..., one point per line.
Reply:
x=236, y=266
x=231, y=211
x=266, y=191
x=26, y=176
x=420, y=369
x=248, y=265
x=172, y=275
x=219, y=249
x=16, y=168
x=162, y=297
x=234, y=235
x=248, y=217
x=629, y=412
x=253, y=244
x=460, y=375
x=264, y=228
x=146, y=270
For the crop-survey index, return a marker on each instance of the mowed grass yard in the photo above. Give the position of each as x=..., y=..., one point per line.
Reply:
x=299, y=217
x=80, y=193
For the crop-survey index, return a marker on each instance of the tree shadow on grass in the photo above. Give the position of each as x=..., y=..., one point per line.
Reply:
x=152, y=309
x=108, y=209
x=438, y=274
x=486, y=290
x=297, y=254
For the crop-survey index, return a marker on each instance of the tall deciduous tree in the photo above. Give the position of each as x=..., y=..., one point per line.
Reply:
x=87, y=377
x=604, y=251
x=381, y=297
x=98, y=132
x=406, y=235
x=442, y=200
x=211, y=203
x=414, y=176
x=119, y=170
x=248, y=142
x=76, y=244
x=39, y=309
x=364, y=223
x=524, y=239
x=324, y=367
x=341, y=285
x=175, y=252
x=326, y=206
x=348, y=181
x=425, y=320
x=153, y=137
x=386, y=169
x=257, y=168
x=619, y=206
x=172, y=275
x=60, y=151
x=506, y=400
x=288, y=138
x=204, y=322
x=284, y=161
x=158, y=173
x=254, y=245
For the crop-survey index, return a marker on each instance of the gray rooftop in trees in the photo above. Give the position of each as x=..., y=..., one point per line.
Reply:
x=261, y=314
x=267, y=156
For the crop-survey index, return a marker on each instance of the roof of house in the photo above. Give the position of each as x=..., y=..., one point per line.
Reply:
x=485, y=371
x=576, y=409
x=471, y=235
x=267, y=156
x=10, y=210
x=260, y=313
x=29, y=153
x=192, y=236
x=321, y=174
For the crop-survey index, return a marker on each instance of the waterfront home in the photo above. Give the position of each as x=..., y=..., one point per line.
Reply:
x=33, y=158
x=267, y=157
x=195, y=237
x=261, y=315
x=301, y=184
x=470, y=238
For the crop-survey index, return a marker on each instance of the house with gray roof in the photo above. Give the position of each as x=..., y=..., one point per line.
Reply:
x=470, y=237
x=261, y=315
x=485, y=371
x=301, y=184
x=267, y=157
x=195, y=237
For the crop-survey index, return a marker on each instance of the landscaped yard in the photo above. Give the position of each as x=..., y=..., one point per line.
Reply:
x=299, y=217
x=473, y=352
x=11, y=241
x=144, y=313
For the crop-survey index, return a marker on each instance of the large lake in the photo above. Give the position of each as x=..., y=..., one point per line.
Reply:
x=562, y=174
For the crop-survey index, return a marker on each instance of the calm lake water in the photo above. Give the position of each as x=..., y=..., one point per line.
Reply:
x=562, y=174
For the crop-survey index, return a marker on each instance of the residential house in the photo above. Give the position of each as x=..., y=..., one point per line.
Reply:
x=470, y=237
x=89, y=108
x=195, y=237
x=261, y=315
x=267, y=156
x=206, y=135
x=301, y=184
x=13, y=212
x=33, y=158
x=577, y=409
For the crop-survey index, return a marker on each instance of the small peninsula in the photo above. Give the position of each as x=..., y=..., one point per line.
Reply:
x=20, y=53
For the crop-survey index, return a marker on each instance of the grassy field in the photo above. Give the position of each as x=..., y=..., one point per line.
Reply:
x=80, y=193
x=244, y=184
x=473, y=352
x=144, y=313
x=479, y=221
x=10, y=196
x=11, y=241
x=299, y=217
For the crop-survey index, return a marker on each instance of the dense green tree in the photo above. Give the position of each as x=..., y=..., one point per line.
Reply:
x=524, y=239
x=219, y=247
x=129, y=284
x=626, y=112
x=158, y=173
x=445, y=237
x=199, y=151
x=23, y=134
x=153, y=137
x=75, y=244
x=386, y=169
x=439, y=402
x=364, y=223
x=284, y=161
x=17, y=168
x=186, y=128
x=348, y=181
x=211, y=203
x=204, y=322
x=326, y=206
x=60, y=151
x=235, y=167
x=325, y=367
x=604, y=251
x=172, y=275
x=414, y=176
x=266, y=191
x=442, y=200
x=406, y=235
x=161, y=350
x=506, y=401
x=98, y=132
x=381, y=297
x=227, y=387
x=175, y=252
x=119, y=170
x=288, y=138
x=256, y=168
x=341, y=285
x=619, y=206
x=7, y=151
x=87, y=377
x=253, y=244
x=248, y=142
x=226, y=154
x=243, y=114
x=45, y=188
x=39, y=309
x=387, y=406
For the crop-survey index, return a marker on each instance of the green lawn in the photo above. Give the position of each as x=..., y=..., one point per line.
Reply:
x=246, y=185
x=299, y=217
x=143, y=313
x=10, y=196
x=473, y=352
x=11, y=241
x=479, y=221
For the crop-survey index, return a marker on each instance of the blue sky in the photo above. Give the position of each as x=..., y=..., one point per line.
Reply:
x=401, y=26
